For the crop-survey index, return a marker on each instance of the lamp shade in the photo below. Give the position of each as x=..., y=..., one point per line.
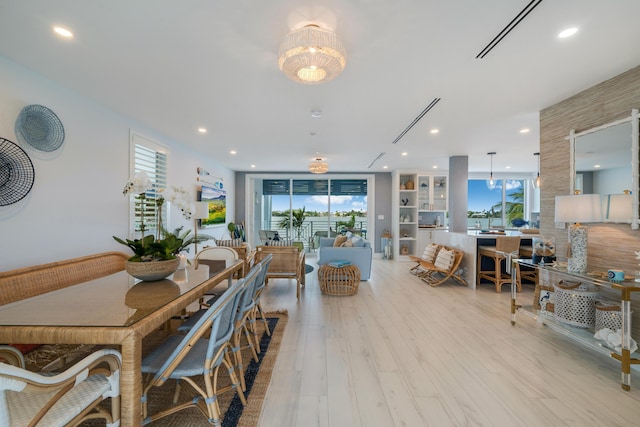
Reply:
x=201, y=210
x=312, y=55
x=579, y=208
x=619, y=208
x=318, y=166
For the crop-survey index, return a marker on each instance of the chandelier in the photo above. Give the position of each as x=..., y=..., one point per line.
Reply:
x=312, y=55
x=318, y=166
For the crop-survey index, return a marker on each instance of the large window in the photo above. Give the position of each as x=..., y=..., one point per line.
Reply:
x=496, y=205
x=304, y=210
x=151, y=158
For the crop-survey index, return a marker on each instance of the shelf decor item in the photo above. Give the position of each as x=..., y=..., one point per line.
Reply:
x=608, y=315
x=575, y=304
x=16, y=173
x=39, y=127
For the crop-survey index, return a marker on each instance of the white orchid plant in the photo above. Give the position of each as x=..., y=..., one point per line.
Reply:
x=153, y=248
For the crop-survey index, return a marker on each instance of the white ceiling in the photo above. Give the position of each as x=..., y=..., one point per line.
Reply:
x=179, y=65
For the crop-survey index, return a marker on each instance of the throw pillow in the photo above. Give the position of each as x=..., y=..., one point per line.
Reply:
x=429, y=254
x=357, y=241
x=339, y=241
x=445, y=259
x=279, y=243
x=229, y=243
x=347, y=244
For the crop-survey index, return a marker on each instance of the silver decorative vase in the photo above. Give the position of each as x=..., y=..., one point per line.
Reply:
x=152, y=270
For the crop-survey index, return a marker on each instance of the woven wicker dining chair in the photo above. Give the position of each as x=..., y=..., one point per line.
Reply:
x=68, y=398
x=211, y=255
x=198, y=354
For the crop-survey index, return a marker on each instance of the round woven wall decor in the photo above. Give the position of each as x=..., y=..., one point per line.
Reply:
x=16, y=173
x=39, y=127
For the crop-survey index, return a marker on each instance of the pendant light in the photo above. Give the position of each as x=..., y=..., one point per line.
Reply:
x=491, y=182
x=537, y=182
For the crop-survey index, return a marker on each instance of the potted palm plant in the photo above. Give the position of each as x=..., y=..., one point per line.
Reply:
x=295, y=221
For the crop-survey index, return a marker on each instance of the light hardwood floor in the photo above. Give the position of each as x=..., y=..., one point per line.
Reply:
x=400, y=353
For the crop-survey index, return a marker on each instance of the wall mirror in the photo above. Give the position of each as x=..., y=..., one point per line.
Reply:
x=604, y=160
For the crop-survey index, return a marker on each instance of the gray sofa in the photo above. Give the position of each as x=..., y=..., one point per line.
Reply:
x=359, y=256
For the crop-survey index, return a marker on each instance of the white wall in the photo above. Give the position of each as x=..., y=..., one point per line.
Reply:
x=76, y=204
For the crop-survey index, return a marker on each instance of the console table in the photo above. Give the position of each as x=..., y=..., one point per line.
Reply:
x=584, y=336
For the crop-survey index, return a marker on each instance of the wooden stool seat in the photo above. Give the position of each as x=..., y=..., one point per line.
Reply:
x=498, y=253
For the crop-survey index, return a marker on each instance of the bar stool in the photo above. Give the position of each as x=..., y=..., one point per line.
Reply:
x=498, y=253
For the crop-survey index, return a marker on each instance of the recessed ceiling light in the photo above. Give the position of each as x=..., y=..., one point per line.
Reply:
x=434, y=131
x=385, y=167
x=507, y=167
x=405, y=154
x=316, y=113
x=596, y=166
x=202, y=130
x=525, y=130
x=435, y=166
x=253, y=166
x=63, y=32
x=233, y=152
x=567, y=33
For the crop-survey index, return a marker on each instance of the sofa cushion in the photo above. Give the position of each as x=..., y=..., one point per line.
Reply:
x=339, y=241
x=229, y=243
x=445, y=259
x=429, y=254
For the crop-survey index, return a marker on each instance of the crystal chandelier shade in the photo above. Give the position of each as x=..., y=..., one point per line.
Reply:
x=312, y=55
x=318, y=166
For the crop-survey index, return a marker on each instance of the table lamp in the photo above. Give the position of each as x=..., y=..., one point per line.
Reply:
x=619, y=208
x=201, y=211
x=577, y=209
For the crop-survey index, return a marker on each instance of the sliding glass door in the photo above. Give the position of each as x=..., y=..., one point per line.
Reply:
x=306, y=209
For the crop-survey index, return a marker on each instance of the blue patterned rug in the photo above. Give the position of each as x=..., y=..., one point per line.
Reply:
x=308, y=268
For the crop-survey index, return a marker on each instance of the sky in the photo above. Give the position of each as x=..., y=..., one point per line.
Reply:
x=319, y=203
x=482, y=198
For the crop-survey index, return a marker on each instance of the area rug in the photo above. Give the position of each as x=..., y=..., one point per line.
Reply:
x=258, y=377
x=308, y=268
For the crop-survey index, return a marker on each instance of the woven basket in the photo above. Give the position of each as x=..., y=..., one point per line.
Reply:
x=339, y=280
x=575, y=304
x=608, y=315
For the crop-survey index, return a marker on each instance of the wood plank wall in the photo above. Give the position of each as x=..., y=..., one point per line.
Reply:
x=609, y=245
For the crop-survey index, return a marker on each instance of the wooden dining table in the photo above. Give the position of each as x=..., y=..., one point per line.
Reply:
x=112, y=310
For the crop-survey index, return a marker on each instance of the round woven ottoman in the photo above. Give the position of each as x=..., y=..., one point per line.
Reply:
x=339, y=280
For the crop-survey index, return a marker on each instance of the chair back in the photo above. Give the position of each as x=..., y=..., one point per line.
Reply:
x=508, y=244
x=215, y=253
x=284, y=258
x=260, y=281
x=215, y=319
x=246, y=300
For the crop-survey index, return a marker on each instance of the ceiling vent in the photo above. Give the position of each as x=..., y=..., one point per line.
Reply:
x=417, y=119
x=506, y=30
x=376, y=159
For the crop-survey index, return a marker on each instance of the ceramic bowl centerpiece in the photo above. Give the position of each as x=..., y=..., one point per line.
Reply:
x=153, y=259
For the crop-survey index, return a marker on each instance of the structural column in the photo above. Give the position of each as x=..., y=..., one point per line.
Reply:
x=458, y=192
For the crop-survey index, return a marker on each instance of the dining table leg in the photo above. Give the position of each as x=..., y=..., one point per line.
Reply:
x=131, y=381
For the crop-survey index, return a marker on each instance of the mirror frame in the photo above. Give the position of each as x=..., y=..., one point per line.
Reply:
x=635, y=135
